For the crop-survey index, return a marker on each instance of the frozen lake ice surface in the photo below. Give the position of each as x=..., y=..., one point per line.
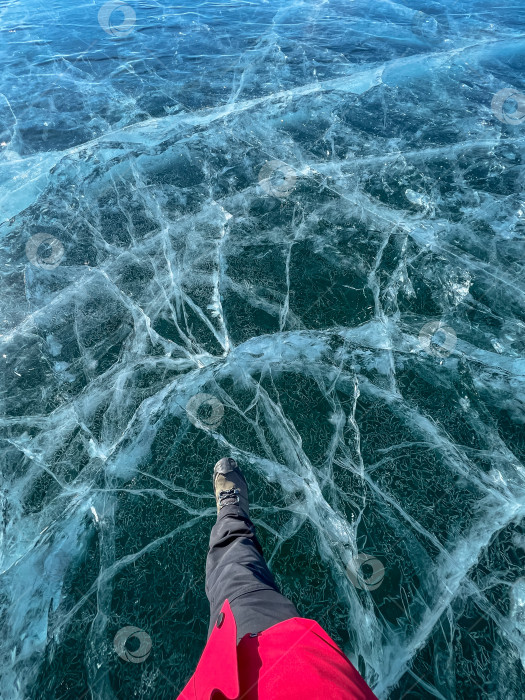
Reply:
x=289, y=231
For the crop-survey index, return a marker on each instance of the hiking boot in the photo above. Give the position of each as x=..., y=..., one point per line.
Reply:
x=230, y=485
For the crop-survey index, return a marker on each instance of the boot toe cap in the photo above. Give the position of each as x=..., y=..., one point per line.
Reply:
x=225, y=465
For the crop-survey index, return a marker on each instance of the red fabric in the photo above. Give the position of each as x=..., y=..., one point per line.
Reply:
x=293, y=660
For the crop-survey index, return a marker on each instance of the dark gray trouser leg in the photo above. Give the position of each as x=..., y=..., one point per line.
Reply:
x=236, y=569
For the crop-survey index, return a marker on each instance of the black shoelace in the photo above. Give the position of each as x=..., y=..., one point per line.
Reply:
x=227, y=498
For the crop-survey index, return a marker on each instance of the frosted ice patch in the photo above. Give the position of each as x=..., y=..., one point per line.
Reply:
x=420, y=199
x=498, y=347
x=464, y=403
x=54, y=346
x=459, y=288
x=517, y=612
x=518, y=541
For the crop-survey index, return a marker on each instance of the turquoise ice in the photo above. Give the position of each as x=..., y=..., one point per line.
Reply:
x=292, y=232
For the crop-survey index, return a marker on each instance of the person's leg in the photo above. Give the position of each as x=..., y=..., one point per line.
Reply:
x=236, y=570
